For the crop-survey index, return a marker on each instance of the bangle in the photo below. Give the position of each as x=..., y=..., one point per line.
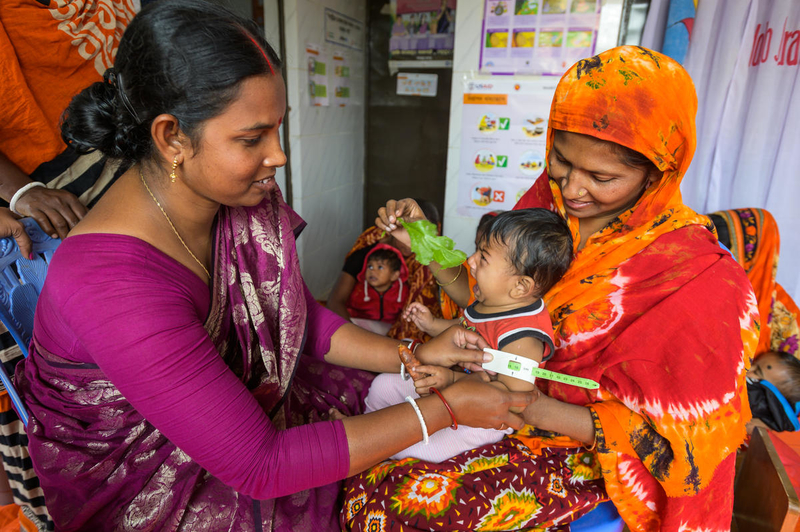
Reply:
x=454, y=426
x=414, y=345
x=460, y=267
x=403, y=373
x=421, y=419
x=594, y=443
x=12, y=205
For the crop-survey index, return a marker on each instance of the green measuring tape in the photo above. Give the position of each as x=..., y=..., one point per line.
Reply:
x=566, y=379
x=526, y=369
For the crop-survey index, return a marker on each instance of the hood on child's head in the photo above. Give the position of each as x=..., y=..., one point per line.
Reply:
x=362, y=276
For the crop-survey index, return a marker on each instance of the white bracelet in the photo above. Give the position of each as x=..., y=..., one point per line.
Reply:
x=18, y=194
x=403, y=373
x=421, y=419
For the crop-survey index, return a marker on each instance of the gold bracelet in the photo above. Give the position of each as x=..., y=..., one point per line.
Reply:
x=594, y=443
x=460, y=267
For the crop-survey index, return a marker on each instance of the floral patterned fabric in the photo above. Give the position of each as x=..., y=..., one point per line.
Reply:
x=502, y=486
x=651, y=308
x=754, y=241
x=421, y=288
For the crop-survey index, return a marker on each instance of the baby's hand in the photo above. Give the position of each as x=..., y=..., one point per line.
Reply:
x=436, y=377
x=420, y=315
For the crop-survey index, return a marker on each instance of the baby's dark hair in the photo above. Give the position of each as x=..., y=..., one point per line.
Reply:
x=186, y=58
x=538, y=241
x=791, y=388
x=388, y=256
x=483, y=223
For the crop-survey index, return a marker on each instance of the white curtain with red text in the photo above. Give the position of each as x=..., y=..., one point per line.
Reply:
x=743, y=58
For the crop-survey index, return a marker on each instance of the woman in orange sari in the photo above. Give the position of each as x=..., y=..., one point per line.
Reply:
x=651, y=308
x=753, y=238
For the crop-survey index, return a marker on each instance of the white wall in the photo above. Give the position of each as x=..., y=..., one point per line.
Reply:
x=327, y=147
x=466, y=55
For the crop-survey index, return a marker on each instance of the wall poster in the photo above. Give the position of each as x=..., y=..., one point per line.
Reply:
x=422, y=29
x=317, y=67
x=537, y=36
x=343, y=30
x=341, y=79
x=503, y=134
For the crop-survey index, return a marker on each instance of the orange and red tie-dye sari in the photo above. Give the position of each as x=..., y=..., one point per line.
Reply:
x=651, y=308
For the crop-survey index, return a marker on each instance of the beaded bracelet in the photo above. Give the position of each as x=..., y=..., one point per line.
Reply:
x=454, y=426
x=413, y=403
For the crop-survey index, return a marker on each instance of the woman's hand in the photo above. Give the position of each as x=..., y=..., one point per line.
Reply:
x=435, y=377
x=407, y=209
x=456, y=345
x=551, y=414
x=476, y=403
x=10, y=226
x=56, y=211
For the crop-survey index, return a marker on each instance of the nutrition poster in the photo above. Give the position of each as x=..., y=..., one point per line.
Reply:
x=317, y=67
x=537, y=36
x=341, y=79
x=503, y=133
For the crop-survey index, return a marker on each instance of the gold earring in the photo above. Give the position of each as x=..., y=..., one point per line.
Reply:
x=172, y=176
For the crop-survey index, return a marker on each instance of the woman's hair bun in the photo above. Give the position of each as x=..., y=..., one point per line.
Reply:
x=97, y=119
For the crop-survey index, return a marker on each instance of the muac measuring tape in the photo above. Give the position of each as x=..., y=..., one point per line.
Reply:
x=528, y=370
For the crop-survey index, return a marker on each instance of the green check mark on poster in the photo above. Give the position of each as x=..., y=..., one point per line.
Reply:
x=502, y=161
x=504, y=123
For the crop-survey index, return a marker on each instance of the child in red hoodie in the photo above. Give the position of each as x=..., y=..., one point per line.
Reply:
x=377, y=298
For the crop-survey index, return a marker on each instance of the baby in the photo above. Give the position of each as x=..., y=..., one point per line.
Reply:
x=773, y=389
x=377, y=298
x=519, y=257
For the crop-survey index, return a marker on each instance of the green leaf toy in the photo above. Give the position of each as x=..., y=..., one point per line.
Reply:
x=428, y=246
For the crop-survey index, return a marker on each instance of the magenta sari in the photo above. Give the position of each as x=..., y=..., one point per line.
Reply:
x=139, y=480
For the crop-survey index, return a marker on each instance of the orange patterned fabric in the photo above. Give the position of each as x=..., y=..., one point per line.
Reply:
x=755, y=243
x=652, y=307
x=48, y=54
x=421, y=288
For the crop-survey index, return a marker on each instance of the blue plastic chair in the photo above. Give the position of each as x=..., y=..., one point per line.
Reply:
x=21, y=281
x=603, y=518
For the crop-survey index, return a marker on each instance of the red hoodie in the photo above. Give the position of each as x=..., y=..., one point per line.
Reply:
x=367, y=303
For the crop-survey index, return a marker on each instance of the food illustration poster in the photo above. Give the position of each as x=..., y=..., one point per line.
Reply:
x=341, y=79
x=317, y=69
x=503, y=134
x=422, y=29
x=537, y=36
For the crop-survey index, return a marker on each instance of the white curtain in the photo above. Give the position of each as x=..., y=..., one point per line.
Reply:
x=748, y=120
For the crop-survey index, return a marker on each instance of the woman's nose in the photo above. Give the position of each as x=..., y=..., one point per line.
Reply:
x=275, y=156
x=572, y=184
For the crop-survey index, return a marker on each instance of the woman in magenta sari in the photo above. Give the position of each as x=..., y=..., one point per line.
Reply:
x=181, y=374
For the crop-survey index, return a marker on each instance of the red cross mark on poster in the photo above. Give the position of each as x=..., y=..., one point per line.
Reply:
x=499, y=196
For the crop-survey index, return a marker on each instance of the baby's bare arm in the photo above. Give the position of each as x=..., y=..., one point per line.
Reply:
x=529, y=348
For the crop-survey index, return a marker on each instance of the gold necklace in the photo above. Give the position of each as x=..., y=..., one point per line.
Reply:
x=173, y=225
